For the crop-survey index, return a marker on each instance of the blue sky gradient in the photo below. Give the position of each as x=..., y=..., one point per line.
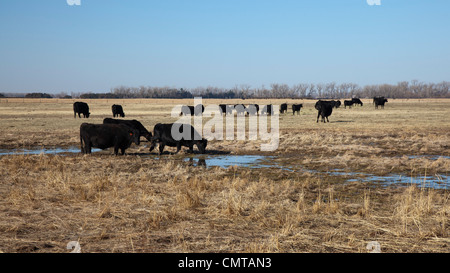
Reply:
x=49, y=46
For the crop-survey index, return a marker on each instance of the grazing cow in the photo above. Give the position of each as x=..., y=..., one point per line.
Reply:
x=117, y=110
x=240, y=109
x=226, y=109
x=324, y=108
x=192, y=110
x=283, y=108
x=105, y=136
x=348, y=103
x=379, y=101
x=296, y=108
x=252, y=109
x=337, y=103
x=132, y=124
x=267, y=110
x=80, y=108
x=162, y=134
x=187, y=110
x=357, y=101
x=199, y=109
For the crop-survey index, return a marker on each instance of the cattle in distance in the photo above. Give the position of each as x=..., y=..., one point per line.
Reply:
x=80, y=108
x=379, y=101
x=296, y=108
x=117, y=111
x=324, y=108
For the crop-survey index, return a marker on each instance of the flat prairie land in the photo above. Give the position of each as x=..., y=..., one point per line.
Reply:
x=297, y=202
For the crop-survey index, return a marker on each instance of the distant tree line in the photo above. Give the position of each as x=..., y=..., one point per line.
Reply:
x=38, y=95
x=332, y=90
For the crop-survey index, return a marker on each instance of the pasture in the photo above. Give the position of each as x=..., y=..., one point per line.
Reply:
x=315, y=193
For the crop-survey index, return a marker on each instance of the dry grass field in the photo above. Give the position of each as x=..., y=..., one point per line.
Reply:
x=141, y=202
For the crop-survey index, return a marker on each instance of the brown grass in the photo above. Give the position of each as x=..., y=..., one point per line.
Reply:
x=140, y=204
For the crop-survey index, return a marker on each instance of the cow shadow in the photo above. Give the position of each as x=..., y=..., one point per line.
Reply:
x=342, y=121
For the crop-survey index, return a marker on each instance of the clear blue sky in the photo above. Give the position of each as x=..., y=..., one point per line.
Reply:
x=49, y=46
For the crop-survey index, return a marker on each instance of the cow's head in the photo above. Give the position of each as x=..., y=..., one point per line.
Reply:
x=134, y=136
x=201, y=145
x=148, y=136
x=87, y=114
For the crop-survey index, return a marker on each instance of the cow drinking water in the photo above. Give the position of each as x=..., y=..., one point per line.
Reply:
x=131, y=123
x=177, y=135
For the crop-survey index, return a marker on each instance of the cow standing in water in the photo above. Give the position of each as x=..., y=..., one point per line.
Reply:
x=162, y=134
x=80, y=108
x=104, y=136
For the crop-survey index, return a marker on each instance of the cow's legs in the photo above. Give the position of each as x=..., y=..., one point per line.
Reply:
x=178, y=147
x=87, y=148
x=153, y=144
x=161, y=148
x=191, y=148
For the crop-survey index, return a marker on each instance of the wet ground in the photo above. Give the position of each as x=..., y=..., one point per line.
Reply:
x=436, y=181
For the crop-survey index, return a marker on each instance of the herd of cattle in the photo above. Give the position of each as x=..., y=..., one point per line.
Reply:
x=120, y=134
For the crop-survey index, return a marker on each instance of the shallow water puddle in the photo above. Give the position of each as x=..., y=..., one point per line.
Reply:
x=256, y=161
x=225, y=161
x=71, y=150
x=260, y=161
x=435, y=182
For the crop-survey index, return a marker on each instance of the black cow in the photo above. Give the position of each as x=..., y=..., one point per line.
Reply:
x=187, y=110
x=192, y=110
x=105, y=136
x=337, y=103
x=357, y=101
x=324, y=108
x=252, y=109
x=379, y=101
x=199, y=109
x=162, y=134
x=226, y=109
x=267, y=110
x=283, y=108
x=133, y=124
x=240, y=109
x=117, y=110
x=80, y=108
x=296, y=108
x=348, y=103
